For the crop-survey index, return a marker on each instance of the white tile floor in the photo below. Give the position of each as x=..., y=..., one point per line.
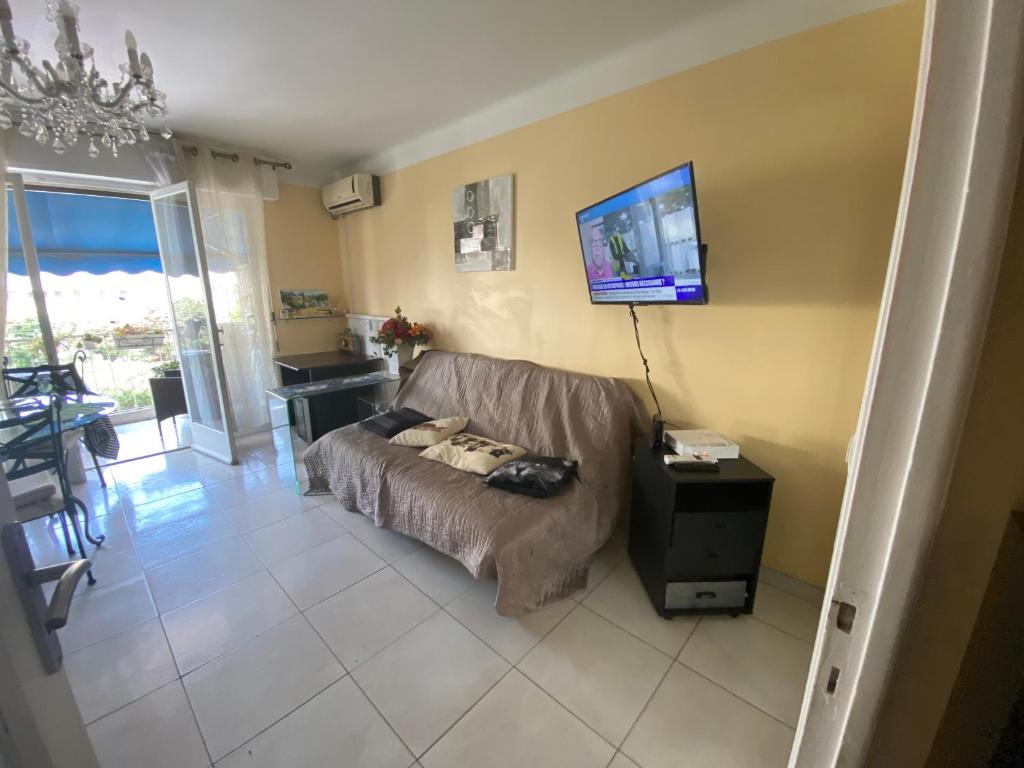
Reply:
x=237, y=624
x=142, y=438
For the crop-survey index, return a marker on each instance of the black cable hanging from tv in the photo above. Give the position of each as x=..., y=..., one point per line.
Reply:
x=647, y=368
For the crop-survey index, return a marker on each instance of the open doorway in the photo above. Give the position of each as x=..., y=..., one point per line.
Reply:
x=106, y=299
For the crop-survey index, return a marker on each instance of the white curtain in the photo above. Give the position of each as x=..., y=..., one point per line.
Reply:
x=164, y=159
x=231, y=209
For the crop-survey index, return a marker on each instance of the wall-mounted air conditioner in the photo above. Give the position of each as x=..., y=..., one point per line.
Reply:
x=352, y=193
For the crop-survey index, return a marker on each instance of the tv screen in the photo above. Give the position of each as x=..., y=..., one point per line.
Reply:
x=643, y=246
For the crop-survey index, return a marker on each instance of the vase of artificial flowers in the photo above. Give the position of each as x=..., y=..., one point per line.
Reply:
x=398, y=339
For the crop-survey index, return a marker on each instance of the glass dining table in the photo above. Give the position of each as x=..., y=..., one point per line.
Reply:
x=76, y=410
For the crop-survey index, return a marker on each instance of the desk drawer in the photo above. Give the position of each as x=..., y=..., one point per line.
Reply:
x=717, y=542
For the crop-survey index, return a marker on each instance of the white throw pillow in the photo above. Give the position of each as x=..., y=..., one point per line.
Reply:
x=472, y=453
x=430, y=432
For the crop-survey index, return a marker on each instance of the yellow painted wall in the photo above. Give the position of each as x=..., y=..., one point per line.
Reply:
x=986, y=484
x=798, y=147
x=302, y=252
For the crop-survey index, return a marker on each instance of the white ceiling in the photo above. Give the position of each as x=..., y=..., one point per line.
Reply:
x=332, y=85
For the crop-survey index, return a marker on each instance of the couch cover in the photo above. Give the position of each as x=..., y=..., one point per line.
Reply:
x=538, y=549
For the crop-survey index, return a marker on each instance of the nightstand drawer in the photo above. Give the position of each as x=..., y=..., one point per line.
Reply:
x=724, y=497
x=717, y=542
x=690, y=595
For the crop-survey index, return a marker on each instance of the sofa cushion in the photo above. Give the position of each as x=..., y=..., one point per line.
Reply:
x=430, y=432
x=391, y=422
x=472, y=453
x=537, y=476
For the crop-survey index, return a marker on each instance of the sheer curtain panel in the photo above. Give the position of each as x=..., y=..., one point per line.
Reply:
x=230, y=201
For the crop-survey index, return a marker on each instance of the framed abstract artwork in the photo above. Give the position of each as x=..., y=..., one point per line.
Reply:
x=482, y=221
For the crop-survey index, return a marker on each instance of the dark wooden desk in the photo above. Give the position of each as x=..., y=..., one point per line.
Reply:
x=318, y=415
x=317, y=366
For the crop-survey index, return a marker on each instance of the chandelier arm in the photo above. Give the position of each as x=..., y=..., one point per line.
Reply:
x=49, y=91
x=21, y=97
x=114, y=103
x=123, y=91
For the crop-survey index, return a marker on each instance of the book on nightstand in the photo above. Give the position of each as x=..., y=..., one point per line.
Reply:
x=703, y=442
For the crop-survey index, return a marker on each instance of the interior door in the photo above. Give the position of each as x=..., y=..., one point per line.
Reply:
x=196, y=333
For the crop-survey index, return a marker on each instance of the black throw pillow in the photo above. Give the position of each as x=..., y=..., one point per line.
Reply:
x=537, y=476
x=391, y=422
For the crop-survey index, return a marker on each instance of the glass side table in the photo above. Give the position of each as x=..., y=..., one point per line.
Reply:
x=378, y=401
x=301, y=413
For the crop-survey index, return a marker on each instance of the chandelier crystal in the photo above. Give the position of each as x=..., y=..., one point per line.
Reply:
x=57, y=104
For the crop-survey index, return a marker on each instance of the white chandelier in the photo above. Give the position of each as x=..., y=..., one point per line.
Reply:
x=57, y=104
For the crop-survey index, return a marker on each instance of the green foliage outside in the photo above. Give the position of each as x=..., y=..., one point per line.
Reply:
x=119, y=373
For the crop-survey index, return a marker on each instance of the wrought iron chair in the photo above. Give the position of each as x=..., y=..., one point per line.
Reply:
x=31, y=442
x=99, y=439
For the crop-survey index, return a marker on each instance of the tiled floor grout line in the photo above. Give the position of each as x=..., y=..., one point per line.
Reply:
x=633, y=634
x=779, y=629
x=331, y=596
x=735, y=695
x=471, y=707
x=121, y=462
x=650, y=698
x=516, y=667
x=437, y=609
x=119, y=707
x=647, y=704
x=267, y=728
x=579, y=719
x=348, y=672
x=184, y=689
x=644, y=709
x=688, y=638
x=415, y=759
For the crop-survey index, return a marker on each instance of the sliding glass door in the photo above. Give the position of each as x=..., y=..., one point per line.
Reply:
x=193, y=320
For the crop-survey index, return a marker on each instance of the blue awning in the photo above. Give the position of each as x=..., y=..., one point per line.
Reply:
x=76, y=232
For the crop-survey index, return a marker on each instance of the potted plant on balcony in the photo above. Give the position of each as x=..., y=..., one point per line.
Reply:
x=91, y=340
x=167, y=368
x=398, y=339
x=146, y=333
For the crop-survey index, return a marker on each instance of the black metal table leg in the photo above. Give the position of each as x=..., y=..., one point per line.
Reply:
x=85, y=517
x=67, y=534
x=81, y=547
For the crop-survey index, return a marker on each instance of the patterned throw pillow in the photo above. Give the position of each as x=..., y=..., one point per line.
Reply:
x=430, y=432
x=472, y=453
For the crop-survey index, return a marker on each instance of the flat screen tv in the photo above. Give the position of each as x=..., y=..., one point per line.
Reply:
x=643, y=246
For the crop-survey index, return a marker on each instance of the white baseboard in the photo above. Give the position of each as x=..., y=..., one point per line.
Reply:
x=793, y=586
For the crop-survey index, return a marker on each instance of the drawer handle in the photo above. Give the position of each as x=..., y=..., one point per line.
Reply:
x=712, y=555
x=707, y=595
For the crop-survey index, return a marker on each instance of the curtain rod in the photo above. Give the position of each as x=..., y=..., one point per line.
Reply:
x=233, y=157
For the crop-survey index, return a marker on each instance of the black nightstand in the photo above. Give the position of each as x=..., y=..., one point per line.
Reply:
x=696, y=538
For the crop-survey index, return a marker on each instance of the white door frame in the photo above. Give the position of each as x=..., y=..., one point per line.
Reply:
x=948, y=244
